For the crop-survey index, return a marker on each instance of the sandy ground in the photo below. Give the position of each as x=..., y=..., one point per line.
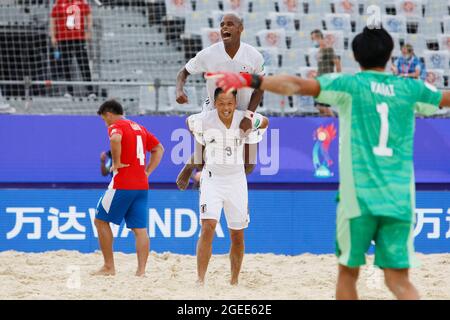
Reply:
x=66, y=275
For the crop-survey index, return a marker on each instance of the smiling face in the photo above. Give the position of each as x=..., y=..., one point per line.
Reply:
x=231, y=28
x=225, y=104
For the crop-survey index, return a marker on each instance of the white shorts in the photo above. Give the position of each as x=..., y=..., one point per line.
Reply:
x=227, y=193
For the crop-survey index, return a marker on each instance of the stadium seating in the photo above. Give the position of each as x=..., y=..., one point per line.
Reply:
x=135, y=46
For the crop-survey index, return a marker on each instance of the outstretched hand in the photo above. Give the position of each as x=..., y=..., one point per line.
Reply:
x=230, y=81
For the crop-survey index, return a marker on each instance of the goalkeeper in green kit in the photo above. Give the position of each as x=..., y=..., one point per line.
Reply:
x=377, y=188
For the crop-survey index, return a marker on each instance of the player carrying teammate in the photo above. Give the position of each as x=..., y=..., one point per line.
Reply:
x=232, y=55
x=223, y=183
x=377, y=189
x=126, y=197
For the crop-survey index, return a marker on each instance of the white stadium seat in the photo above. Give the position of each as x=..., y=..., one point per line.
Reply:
x=436, y=59
x=272, y=38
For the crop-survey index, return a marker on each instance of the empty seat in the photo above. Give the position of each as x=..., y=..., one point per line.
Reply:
x=192, y=106
x=436, y=59
x=417, y=41
x=346, y=6
x=238, y=6
x=292, y=59
x=394, y=24
x=435, y=77
x=178, y=8
x=409, y=8
x=444, y=41
x=271, y=58
x=272, y=38
x=206, y=5
x=210, y=36
x=194, y=21
x=284, y=21
x=315, y=6
x=147, y=101
x=446, y=23
x=338, y=22
x=278, y=104
x=300, y=40
x=294, y=6
x=262, y=6
x=254, y=22
x=310, y=22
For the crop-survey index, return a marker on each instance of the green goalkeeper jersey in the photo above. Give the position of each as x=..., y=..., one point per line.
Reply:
x=377, y=122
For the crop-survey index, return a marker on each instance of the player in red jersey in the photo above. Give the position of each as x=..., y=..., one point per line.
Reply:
x=126, y=197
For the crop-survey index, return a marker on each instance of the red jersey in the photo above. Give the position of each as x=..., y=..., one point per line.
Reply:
x=136, y=141
x=70, y=16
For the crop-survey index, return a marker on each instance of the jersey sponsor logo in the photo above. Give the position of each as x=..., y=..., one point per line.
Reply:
x=135, y=127
x=322, y=161
x=383, y=89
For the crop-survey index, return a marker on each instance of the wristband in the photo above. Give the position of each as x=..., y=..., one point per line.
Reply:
x=249, y=114
x=252, y=80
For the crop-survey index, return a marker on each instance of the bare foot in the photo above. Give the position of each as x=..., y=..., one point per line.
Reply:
x=140, y=274
x=234, y=282
x=104, y=271
x=200, y=283
x=184, y=177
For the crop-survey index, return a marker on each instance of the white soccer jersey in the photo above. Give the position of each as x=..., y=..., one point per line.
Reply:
x=215, y=59
x=224, y=148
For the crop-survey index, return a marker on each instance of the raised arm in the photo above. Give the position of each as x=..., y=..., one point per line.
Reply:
x=281, y=84
x=290, y=85
x=182, y=75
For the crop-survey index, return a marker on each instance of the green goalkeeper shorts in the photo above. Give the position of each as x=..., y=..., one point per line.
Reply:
x=394, y=248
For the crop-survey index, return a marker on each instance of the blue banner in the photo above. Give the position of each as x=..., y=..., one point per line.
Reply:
x=66, y=149
x=281, y=222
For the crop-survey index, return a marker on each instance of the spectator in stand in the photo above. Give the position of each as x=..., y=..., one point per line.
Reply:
x=408, y=65
x=327, y=62
x=70, y=29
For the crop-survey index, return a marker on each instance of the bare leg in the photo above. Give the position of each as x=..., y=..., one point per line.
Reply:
x=397, y=280
x=204, y=248
x=142, y=250
x=236, y=254
x=105, y=239
x=346, y=283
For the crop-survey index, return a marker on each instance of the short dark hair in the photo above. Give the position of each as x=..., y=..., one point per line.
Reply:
x=112, y=106
x=220, y=90
x=372, y=48
x=318, y=32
